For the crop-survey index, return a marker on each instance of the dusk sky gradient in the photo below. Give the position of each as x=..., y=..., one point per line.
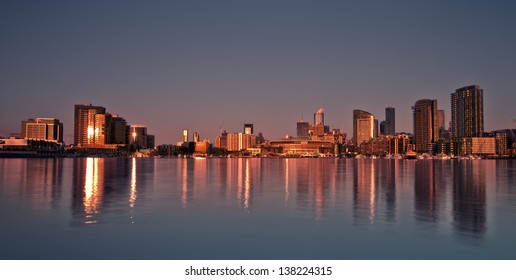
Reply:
x=204, y=65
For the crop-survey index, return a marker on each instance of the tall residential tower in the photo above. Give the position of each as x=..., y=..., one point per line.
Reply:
x=363, y=127
x=426, y=132
x=86, y=128
x=467, y=108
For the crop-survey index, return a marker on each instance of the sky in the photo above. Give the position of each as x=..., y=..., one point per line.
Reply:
x=211, y=65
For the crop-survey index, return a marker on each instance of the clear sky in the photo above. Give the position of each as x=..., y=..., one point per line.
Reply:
x=204, y=65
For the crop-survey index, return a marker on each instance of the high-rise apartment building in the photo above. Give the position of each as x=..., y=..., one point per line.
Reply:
x=363, y=126
x=119, y=130
x=49, y=129
x=426, y=131
x=85, y=128
x=467, y=108
x=196, y=137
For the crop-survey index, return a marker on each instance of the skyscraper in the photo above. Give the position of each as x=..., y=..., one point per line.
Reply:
x=440, y=123
x=363, y=126
x=302, y=129
x=43, y=128
x=426, y=130
x=467, y=108
x=390, y=121
x=119, y=130
x=319, y=117
x=84, y=123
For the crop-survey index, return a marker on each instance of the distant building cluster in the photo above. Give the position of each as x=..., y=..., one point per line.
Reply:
x=96, y=131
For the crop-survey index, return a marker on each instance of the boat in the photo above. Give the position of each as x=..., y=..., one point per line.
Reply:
x=410, y=155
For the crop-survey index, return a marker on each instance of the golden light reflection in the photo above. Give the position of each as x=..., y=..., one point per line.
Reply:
x=184, y=185
x=247, y=185
x=92, y=190
x=134, y=193
x=239, y=179
x=319, y=191
x=287, y=193
x=372, y=196
x=90, y=132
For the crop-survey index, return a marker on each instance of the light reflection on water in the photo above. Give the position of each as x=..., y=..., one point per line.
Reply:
x=288, y=208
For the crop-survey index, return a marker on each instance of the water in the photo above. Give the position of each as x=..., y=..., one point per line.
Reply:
x=246, y=208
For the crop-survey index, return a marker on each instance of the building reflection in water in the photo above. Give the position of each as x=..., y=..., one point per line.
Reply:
x=134, y=193
x=38, y=180
x=287, y=190
x=313, y=180
x=186, y=191
x=102, y=183
x=93, y=189
x=388, y=173
x=364, y=191
x=469, y=199
x=425, y=192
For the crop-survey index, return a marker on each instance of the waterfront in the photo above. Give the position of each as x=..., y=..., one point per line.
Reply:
x=252, y=208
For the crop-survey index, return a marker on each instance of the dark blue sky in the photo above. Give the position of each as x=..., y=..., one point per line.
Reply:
x=203, y=65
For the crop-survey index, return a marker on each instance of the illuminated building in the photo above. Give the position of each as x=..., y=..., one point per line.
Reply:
x=467, y=108
x=221, y=141
x=319, y=117
x=102, y=129
x=426, y=130
x=248, y=128
x=476, y=146
x=139, y=137
x=42, y=129
x=363, y=127
x=240, y=141
x=196, y=136
x=185, y=135
x=84, y=124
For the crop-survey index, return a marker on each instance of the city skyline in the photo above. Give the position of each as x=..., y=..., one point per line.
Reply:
x=206, y=66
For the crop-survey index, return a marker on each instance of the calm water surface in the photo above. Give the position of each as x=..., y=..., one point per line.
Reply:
x=245, y=208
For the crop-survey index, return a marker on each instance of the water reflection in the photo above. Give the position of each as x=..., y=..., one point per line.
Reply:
x=365, y=197
x=425, y=192
x=469, y=199
x=38, y=181
x=313, y=185
x=93, y=189
x=101, y=184
x=134, y=192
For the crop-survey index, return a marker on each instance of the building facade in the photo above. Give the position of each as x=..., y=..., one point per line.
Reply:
x=426, y=131
x=319, y=117
x=302, y=128
x=49, y=129
x=467, y=109
x=390, y=121
x=363, y=127
x=85, y=124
